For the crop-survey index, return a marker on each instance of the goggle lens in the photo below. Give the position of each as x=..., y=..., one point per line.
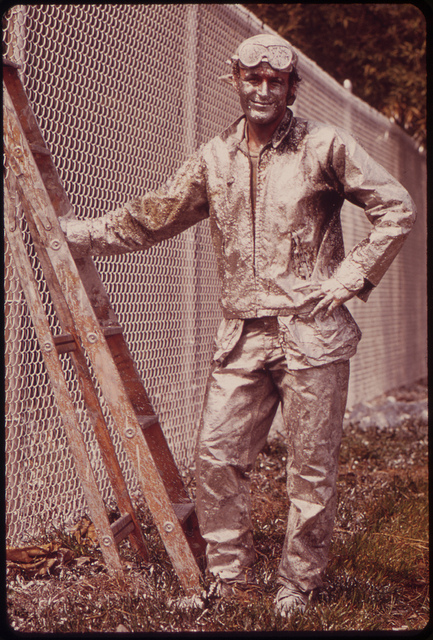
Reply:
x=279, y=57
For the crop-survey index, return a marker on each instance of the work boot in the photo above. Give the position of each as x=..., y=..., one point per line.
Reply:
x=290, y=599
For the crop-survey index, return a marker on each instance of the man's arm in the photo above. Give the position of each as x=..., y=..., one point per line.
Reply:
x=387, y=206
x=146, y=220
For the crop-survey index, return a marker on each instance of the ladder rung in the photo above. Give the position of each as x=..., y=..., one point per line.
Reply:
x=122, y=527
x=112, y=331
x=147, y=421
x=183, y=510
x=9, y=63
x=66, y=343
x=37, y=148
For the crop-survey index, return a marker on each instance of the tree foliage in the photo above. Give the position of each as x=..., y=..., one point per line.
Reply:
x=380, y=48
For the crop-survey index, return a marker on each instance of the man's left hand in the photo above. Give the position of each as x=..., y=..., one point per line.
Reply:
x=332, y=295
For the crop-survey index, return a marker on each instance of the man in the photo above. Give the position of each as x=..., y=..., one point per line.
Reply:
x=272, y=186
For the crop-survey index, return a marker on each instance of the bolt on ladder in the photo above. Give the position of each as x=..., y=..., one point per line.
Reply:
x=91, y=328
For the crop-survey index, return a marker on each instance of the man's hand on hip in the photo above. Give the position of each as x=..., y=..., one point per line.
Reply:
x=332, y=295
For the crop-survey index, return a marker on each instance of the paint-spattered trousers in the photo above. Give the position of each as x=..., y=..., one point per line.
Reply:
x=243, y=394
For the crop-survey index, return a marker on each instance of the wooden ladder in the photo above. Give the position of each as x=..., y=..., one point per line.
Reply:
x=90, y=328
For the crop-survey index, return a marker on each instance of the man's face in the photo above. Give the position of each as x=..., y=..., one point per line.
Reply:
x=263, y=93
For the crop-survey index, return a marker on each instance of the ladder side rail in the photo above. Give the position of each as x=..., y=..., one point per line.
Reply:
x=61, y=392
x=96, y=292
x=90, y=397
x=34, y=137
x=30, y=183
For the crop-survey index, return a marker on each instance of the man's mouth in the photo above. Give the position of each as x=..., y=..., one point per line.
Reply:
x=262, y=104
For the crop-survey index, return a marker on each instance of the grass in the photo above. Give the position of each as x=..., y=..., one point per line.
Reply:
x=377, y=578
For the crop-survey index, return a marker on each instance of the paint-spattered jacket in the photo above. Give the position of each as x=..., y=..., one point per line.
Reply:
x=270, y=258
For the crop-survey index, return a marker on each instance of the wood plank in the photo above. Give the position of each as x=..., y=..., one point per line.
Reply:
x=183, y=510
x=65, y=342
x=122, y=527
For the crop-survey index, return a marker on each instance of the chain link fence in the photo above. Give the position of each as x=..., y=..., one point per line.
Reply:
x=123, y=94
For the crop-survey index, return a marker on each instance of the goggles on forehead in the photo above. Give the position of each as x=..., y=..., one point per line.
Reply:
x=279, y=57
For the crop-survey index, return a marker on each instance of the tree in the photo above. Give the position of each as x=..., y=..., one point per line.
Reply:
x=380, y=48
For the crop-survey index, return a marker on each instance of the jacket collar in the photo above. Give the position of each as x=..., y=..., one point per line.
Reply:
x=237, y=132
x=282, y=129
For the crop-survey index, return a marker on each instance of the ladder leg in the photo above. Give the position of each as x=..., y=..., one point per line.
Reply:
x=90, y=397
x=60, y=389
x=155, y=440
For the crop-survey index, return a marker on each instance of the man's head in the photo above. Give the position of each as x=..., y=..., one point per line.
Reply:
x=266, y=51
x=263, y=94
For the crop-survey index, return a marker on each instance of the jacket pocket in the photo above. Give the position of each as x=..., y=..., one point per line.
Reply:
x=322, y=339
x=227, y=337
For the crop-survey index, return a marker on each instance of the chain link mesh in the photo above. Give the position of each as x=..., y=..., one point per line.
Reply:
x=123, y=94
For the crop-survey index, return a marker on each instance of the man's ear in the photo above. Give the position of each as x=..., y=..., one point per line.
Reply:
x=229, y=79
x=291, y=95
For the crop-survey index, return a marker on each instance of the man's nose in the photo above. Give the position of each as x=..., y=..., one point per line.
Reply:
x=264, y=88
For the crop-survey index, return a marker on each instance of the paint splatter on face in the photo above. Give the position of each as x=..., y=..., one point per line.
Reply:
x=263, y=93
